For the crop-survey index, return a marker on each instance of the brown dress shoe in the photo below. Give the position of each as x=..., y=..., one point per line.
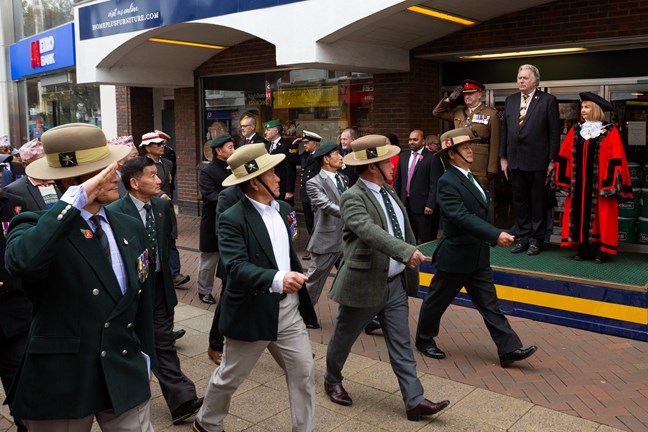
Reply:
x=426, y=408
x=337, y=394
x=215, y=356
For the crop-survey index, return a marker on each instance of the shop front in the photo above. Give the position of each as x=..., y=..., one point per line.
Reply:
x=44, y=67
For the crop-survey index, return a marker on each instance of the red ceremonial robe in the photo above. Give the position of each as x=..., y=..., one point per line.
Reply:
x=595, y=173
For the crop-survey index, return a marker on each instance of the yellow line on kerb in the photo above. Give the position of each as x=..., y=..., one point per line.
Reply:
x=562, y=302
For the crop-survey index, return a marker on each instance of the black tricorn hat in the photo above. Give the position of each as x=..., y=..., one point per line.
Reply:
x=598, y=100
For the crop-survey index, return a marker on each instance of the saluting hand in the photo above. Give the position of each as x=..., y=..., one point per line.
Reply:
x=94, y=185
x=293, y=281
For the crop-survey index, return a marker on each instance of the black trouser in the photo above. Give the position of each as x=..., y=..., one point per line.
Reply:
x=530, y=202
x=479, y=286
x=12, y=350
x=216, y=338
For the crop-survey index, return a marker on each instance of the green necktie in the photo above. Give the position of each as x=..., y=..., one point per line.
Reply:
x=392, y=214
x=339, y=183
x=150, y=234
x=474, y=181
x=101, y=236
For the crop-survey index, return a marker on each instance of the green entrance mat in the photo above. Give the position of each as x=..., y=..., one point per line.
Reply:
x=626, y=270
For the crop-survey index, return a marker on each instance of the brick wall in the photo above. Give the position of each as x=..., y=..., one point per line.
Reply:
x=188, y=149
x=250, y=56
x=134, y=111
x=560, y=21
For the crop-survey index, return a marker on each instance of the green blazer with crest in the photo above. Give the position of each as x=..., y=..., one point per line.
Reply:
x=249, y=311
x=84, y=352
x=163, y=225
x=368, y=245
x=467, y=236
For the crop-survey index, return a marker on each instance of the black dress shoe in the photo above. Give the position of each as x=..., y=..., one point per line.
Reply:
x=207, y=298
x=306, y=257
x=426, y=408
x=313, y=326
x=520, y=247
x=533, y=250
x=517, y=355
x=178, y=334
x=600, y=257
x=337, y=394
x=373, y=325
x=186, y=410
x=432, y=352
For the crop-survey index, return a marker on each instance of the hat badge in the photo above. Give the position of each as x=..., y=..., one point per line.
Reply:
x=251, y=167
x=372, y=153
x=68, y=159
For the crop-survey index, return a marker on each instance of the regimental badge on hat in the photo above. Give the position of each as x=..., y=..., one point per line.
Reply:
x=250, y=161
x=455, y=137
x=251, y=167
x=370, y=149
x=273, y=123
x=68, y=159
x=472, y=86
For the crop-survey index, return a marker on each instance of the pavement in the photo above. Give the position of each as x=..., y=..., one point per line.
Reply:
x=577, y=381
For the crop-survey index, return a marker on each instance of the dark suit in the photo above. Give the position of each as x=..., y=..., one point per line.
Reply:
x=422, y=194
x=309, y=169
x=15, y=307
x=84, y=353
x=463, y=260
x=255, y=139
x=176, y=387
x=30, y=193
x=286, y=170
x=529, y=148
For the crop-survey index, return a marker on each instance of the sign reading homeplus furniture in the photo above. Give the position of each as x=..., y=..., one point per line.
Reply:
x=123, y=16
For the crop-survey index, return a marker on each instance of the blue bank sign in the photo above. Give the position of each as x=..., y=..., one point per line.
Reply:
x=44, y=52
x=122, y=16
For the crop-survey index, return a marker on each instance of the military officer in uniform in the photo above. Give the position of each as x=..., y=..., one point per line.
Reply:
x=309, y=169
x=276, y=144
x=482, y=121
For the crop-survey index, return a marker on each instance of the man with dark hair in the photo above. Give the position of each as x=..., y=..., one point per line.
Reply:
x=286, y=170
x=153, y=144
x=85, y=268
x=378, y=272
x=263, y=305
x=139, y=175
x=210, y=185
x=463, y=257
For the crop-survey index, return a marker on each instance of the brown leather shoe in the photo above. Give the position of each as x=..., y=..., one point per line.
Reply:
x=215, y=356
x=426, y=408
x=337, y=394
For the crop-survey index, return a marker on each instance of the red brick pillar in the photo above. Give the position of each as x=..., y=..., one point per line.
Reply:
x=134, y=111
x=188, y=148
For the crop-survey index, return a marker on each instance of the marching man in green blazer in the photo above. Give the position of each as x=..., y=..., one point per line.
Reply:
x=85, y=268
x=379, y=270
x=463, y=255
x=263, y=304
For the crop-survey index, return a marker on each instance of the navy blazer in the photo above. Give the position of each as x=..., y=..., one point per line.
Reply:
x=532, y=145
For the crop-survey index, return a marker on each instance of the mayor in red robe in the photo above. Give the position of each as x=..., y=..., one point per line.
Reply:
x=592, y=167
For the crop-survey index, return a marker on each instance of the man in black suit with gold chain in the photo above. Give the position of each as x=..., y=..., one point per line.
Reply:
x=529, y=143
x=463, y=255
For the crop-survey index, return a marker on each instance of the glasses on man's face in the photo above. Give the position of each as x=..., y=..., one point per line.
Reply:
x=246, y=126
x=158, y=144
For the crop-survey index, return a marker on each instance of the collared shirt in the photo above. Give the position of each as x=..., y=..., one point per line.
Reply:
x=47, y=190
x=275, y=144
x=474, y=180
x=139, y=205
x=395, y=267
x=76, y=197
x=529, y=99
x=278, y=234
x=331, y=175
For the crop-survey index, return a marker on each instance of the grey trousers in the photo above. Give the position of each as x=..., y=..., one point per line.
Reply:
x=207, y=264
x=318, y=272
x=393, y=314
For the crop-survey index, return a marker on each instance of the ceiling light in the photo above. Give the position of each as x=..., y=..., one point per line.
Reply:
x=524, y=53
x=441, y=15
x=191, y=44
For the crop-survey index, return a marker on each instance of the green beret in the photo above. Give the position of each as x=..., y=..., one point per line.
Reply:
x=324, y=150
x=220, y=140
x=273, y=123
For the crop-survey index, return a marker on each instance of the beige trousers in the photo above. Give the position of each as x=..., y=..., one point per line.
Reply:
x=136, y=419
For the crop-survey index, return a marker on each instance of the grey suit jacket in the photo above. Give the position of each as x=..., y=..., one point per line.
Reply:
x=29, y=193
x=362, y=278
x=325, y=200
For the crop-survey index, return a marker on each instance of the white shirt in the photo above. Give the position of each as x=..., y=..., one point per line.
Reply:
x=529, y=99
x=142, y=212
x=474, y=180
x=395, y=267
x=278, y=237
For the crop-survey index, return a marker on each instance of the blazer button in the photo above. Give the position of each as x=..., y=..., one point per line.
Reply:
x=139, y=292
x=95, y=291
x=124, y=352
x=59, y=217
x=129, y=325
x=103, y=353
x=106, y=325
x=67, y=207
